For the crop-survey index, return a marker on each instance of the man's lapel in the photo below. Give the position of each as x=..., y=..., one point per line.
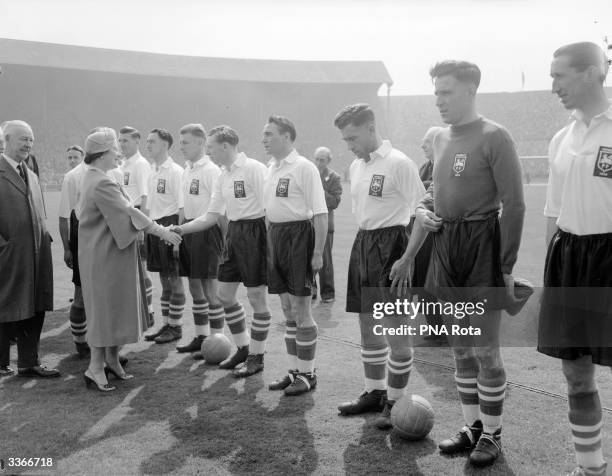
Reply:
x=9, y=174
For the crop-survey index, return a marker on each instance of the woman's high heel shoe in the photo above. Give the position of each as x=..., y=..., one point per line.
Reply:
x=124, y=376
x=89, y=381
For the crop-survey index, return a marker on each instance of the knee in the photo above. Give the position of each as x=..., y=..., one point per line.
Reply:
x=226, y=298
x=400, y=348
x=256, y=296
x=489, y=359
x=195, y=289
x=580, y=378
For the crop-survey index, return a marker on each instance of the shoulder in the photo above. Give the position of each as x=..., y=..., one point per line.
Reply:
x=255, y=164
x=491, y=130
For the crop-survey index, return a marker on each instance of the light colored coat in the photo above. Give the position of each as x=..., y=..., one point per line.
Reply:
x=113, y=289
x=26, y=265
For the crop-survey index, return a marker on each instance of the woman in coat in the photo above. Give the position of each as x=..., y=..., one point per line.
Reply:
x=114, y=295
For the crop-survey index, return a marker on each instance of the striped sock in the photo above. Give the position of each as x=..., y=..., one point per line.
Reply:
x=216, y=318
x=165, y=304
x=259, y=332
x=585, y=421
x=177, y=306
x=398, y=373
x=290, y=335
x=306, y=346
x=148, y=291
x=235, y=318
x=200, y=317
x=374, y=361
x=78, y=323
x=491, y=394
x=466, y=378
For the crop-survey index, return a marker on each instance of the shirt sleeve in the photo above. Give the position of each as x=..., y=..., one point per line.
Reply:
x=217, y=203
x=123, y=220
x=554, y=189
x=143, y=170
x=427, y=201
x=506, y=170
x=180, y=179
x=333, y=191
x=409, y=183
x=259, y=176
x=314, y=189
x=64, y=205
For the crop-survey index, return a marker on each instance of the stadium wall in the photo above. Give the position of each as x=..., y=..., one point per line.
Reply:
x=62, y=105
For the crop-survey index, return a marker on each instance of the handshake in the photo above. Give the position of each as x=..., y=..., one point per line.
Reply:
x=169, y=235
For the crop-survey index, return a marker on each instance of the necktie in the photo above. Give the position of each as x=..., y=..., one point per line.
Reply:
x=23, y=173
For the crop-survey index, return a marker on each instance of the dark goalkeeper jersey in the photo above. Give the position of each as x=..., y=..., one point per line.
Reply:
x=476, y=173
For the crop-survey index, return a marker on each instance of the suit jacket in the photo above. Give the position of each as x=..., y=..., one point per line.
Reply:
x=26, y=266
x=332, y=186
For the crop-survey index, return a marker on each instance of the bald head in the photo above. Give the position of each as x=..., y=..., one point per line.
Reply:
x=322, y=158
x=428, y=138
x=18, y=138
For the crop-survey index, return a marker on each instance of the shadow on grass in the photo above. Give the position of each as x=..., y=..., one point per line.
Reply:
x=196, y=412
x=384, y=452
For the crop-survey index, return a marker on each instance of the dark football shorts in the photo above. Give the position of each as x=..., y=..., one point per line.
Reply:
x=246, y=253
x=465, y=264
x=290, y=248
x=160, y=256
x=74, y=248
x=576, y=309
x=372, y=256
x=201, y=253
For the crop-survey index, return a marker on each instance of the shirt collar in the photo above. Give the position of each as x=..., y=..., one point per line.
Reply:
x=382, y=151
x=134, y=157
x=578, y=115
x=200, y=163
x=241, y=159
x=12, y=163
x=290, y=159
x=165, y=165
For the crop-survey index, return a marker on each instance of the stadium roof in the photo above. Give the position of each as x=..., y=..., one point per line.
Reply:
x=30, y=53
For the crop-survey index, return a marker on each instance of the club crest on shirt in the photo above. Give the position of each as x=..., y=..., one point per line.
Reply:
x=282, y=188
x=126, y=178
x=239, y=191
x=194, y=187
x=376, y=185
x=603, y=163
x=161, y=185
x=459, y=164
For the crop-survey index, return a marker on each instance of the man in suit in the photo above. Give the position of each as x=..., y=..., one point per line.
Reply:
x=332, y=187
x=26, y=287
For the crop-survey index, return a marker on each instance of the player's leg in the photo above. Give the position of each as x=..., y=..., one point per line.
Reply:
x=306, y=346
x=78, y=323
x=260, y=326
x=200, y=317
x=585, y=415
x=399, y=366
x=467, y=369
x=236, y=321
x=491, y=389
x=172, y=286
x=290, y=343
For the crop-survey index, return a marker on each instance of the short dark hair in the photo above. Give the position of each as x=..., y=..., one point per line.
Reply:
x=164, y=135
x=585, y=54
x=196, y=130
x=223, y=134
x=89, y=158
x=355, y=114
x=133, y=133
x=463, y=71
x=285, y=126
x=78, y=148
